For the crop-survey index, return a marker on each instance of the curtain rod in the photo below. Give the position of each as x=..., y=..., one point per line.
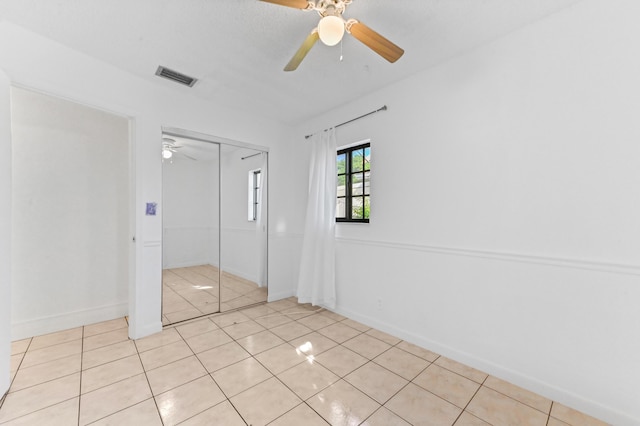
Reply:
x=383, y=108
x=249, y=156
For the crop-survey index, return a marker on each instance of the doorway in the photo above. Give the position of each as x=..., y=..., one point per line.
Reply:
x=214, y=212
x=72, y=215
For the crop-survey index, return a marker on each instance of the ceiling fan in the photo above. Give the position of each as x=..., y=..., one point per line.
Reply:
x=169, y=147
x=331, y=28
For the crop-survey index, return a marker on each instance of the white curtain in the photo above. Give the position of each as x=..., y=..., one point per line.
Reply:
x=316, y=283
x=261, y=222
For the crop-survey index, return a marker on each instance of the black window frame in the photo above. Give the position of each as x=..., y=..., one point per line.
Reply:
x=255, y=188
x=348, y=173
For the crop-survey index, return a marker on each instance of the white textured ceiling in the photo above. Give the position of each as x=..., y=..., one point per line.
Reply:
x=238, y=48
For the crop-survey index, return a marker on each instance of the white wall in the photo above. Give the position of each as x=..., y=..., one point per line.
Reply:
x=70, y=233
x=190, y=199
x=239, y=238
x=515, y=247
x=33, y=61
x=5, y=233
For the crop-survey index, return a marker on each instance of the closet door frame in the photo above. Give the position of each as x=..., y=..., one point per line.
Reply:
x=220, y=141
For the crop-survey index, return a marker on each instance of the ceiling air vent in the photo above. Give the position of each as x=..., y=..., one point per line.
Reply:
x=175, y=76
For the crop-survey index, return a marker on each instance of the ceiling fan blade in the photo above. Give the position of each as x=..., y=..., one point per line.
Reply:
x=297, y=4
x=303, y=50
x=189, y=157
x=374, y=41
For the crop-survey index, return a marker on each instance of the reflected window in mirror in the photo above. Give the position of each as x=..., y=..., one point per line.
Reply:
x=253, y=195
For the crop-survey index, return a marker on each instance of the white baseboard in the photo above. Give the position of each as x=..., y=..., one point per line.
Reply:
x=67, y=320
x=547, y=390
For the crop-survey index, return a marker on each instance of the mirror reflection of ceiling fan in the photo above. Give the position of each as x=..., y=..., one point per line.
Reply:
x=332, y=27
x=170, y=147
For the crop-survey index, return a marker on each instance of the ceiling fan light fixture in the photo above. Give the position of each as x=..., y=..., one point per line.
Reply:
x=331, y=30
x=166, y=154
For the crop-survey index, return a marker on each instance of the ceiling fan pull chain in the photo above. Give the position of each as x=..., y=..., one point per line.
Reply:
x=341, y=50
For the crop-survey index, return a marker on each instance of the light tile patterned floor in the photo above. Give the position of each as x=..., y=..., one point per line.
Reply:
x=279, y=363
x=193, y=291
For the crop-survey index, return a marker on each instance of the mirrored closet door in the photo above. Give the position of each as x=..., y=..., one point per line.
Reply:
x=191, y=229
x=214, y=227
x=243, y=243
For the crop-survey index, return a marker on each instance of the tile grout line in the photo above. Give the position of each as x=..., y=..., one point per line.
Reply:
x=403, y=387
x=41, y=383
x=372, y=360
x=304, y=402
x=38, y=384
x=185, y=299
x=273, y=375
x=313, y=409
x=108, y=331
x=208, y=373
x=102, y=387
x=470, y=399
x=4, y=397
x=144, y=370
x=164, y=365
x=36, y=411
x=60, y=344
x=517, y=400
x=13, y=379
x=389, y=399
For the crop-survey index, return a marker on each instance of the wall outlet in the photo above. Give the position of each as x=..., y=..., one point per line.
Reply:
x=379, y=304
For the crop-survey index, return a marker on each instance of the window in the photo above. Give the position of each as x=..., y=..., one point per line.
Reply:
x=354, y=189
x=254, y=194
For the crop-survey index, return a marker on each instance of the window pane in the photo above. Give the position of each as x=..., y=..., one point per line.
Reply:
x=341, y=208
x=342, y=185
x=367, y=183
x=353, y=184
x=357, y=211
x=341, y=163
x=367, y=207
x=356, y=184
x=367, y=158
x=357, y=158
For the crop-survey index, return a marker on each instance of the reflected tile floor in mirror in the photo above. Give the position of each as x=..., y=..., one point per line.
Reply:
x=278, y=363
x=193, y=291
